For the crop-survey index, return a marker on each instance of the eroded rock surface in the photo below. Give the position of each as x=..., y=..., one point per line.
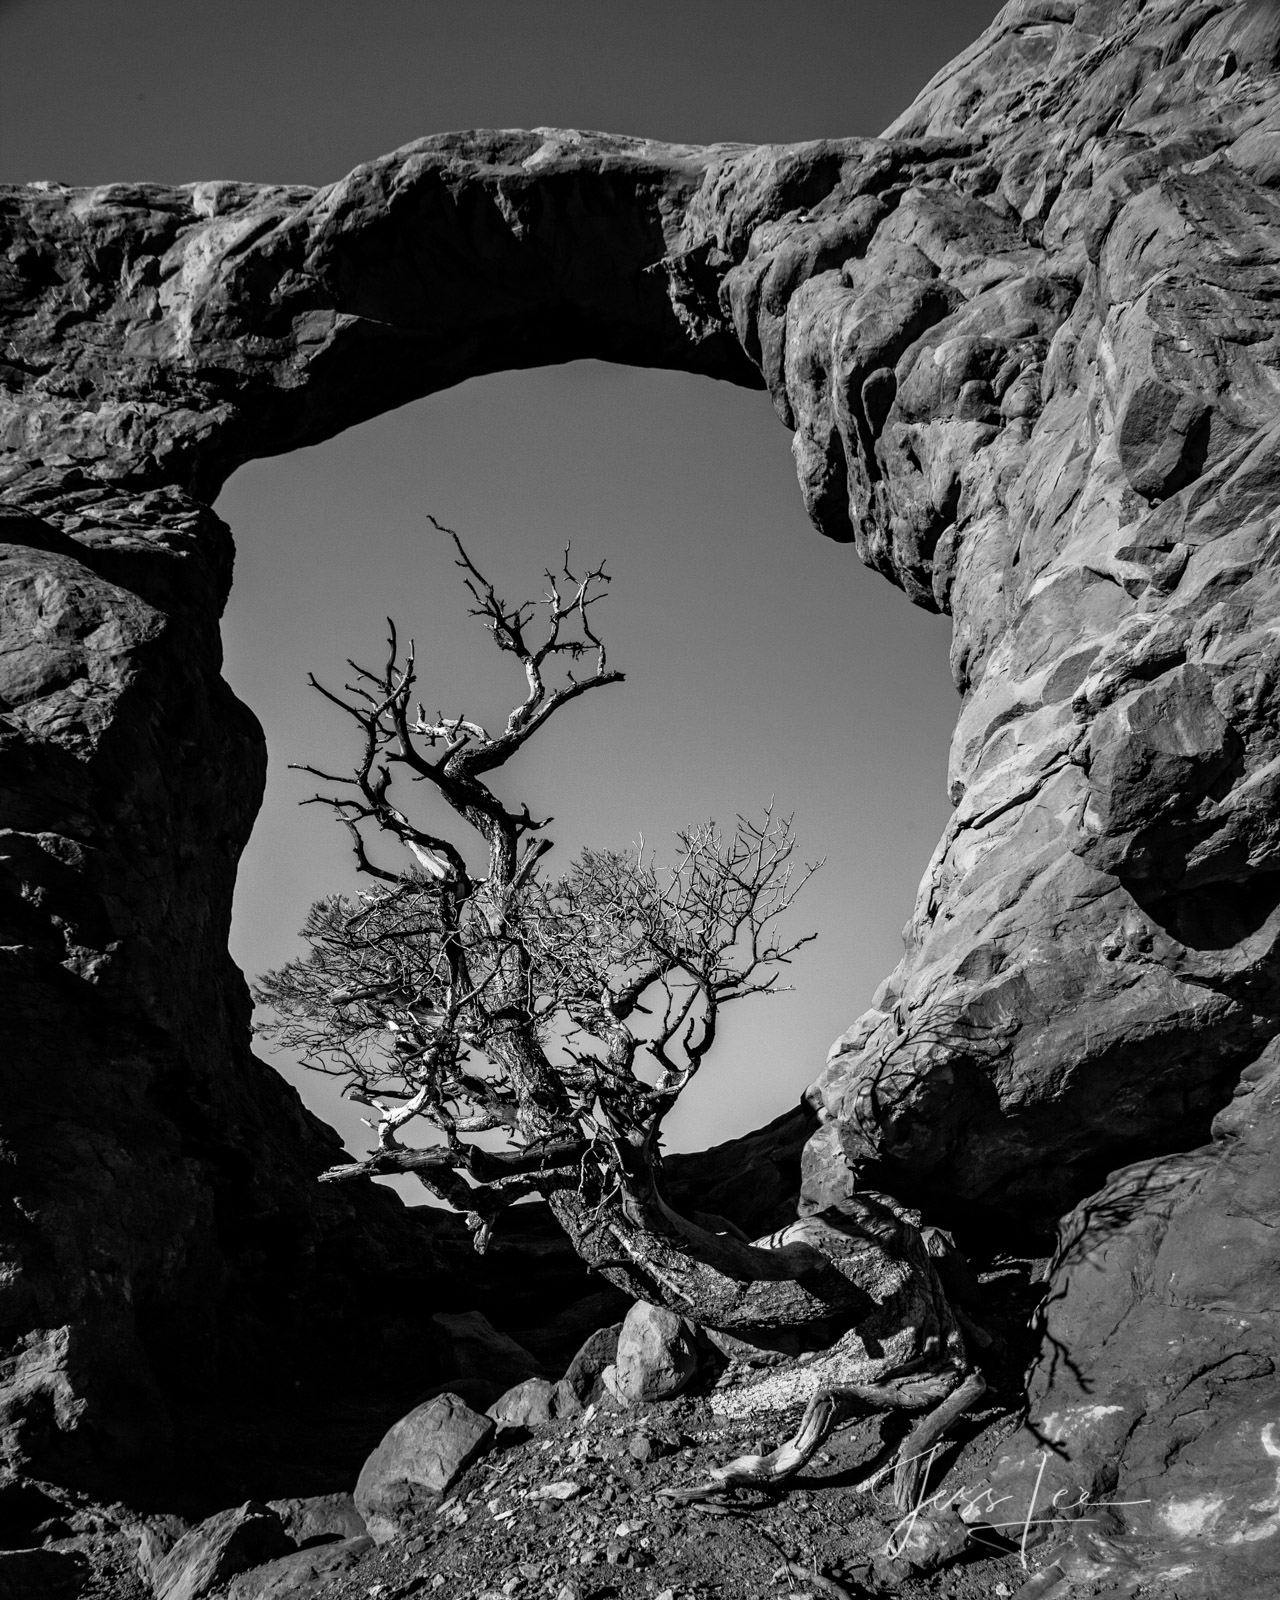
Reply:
x=1028, y=347
x=1159, y=1383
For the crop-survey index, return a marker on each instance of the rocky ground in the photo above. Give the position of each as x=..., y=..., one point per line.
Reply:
x=572, y=1514
x=573, y=1509
x=613, y=1536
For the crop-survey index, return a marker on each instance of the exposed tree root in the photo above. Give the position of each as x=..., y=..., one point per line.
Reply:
x=833, y=1407
x=915, y=1455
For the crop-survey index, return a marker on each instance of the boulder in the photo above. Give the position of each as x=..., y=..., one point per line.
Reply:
x=217, y=1549
x=656, y=1355
x=319, y=1518
x=417, y=1462
x=303, y=1574
x=1162, y=438
x=533, y=1404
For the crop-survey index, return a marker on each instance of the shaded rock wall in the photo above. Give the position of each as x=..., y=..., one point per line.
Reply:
x=1045, y=394
x=162, y=1233
x=1027, y=346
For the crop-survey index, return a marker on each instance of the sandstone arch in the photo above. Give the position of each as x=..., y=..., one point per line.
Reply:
x=1027, y=344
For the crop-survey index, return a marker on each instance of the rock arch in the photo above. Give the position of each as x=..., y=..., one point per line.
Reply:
x=1027, y=344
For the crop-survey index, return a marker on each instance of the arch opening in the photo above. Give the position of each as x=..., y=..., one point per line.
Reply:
x=762, y=661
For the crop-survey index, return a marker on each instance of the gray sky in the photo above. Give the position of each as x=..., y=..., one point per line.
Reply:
x=761, y=659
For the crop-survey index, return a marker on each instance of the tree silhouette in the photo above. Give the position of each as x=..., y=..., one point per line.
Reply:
x=569, y=1013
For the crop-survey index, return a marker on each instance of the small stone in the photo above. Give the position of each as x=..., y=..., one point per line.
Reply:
x=656, y=1445
x=564, y=1489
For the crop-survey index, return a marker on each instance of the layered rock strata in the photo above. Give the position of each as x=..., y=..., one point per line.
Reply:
x=1026, y=342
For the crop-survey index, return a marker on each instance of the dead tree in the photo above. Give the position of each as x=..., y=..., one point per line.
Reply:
x=511, y=1000
x=507, y=999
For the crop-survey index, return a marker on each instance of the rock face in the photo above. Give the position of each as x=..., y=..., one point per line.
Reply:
x=1027, y=344
x=1160, y=1373
x=484, y=1354
x=1088, y=965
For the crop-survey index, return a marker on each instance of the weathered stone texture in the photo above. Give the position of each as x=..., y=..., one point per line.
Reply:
x=417, y=1462
x=656, y=1355
x=207, y=1557
x=1027, y=343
